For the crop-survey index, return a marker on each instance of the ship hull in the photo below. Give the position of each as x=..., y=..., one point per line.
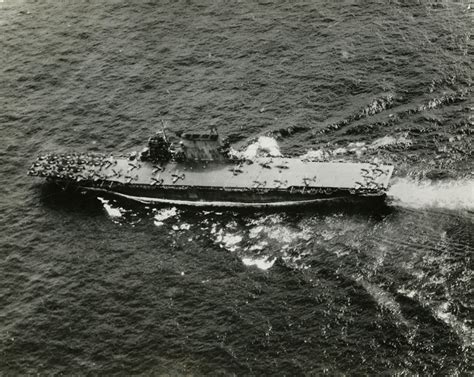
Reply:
x=218, y=197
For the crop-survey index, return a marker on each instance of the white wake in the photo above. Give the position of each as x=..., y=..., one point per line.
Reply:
x=452, y=194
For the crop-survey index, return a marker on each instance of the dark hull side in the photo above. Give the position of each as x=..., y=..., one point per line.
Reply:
x=219, y=197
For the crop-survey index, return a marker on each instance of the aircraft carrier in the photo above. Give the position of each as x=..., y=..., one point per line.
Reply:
x=200, y=170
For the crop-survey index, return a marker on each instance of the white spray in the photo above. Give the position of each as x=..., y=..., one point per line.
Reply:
x=263, y=147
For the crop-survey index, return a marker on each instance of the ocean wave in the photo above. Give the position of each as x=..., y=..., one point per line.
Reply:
x=376, y=106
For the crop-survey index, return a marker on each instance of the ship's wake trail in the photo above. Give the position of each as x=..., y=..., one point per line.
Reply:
x=452, y=194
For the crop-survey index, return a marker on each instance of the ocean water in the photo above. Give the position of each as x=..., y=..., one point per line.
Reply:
x=99, y=286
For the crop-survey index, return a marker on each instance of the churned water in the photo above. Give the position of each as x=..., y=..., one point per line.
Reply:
x=109, y=287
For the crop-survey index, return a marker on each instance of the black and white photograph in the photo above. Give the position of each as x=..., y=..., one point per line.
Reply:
x=236, y=188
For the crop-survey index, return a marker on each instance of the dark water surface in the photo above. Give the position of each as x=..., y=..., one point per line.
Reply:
x=103, y=287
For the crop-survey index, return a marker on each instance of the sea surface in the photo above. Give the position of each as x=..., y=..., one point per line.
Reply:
x=97, y=286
